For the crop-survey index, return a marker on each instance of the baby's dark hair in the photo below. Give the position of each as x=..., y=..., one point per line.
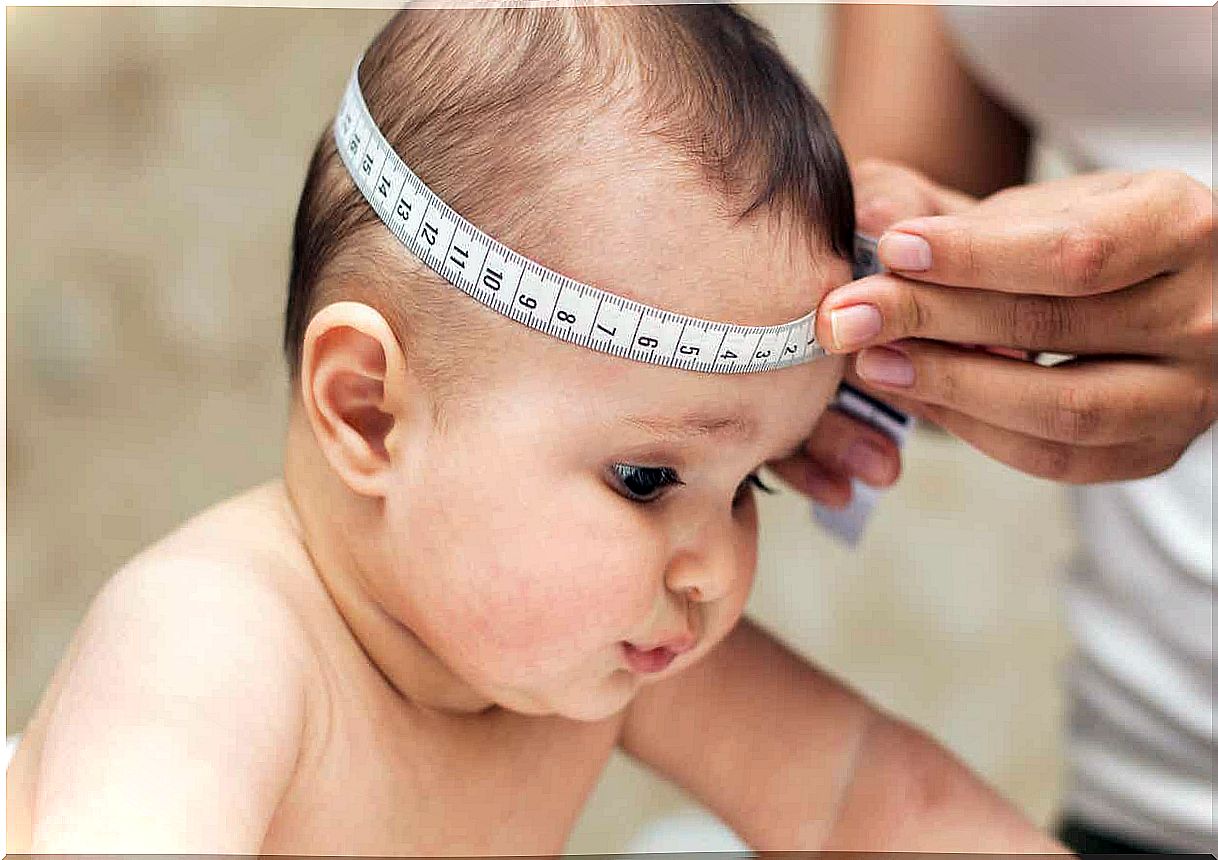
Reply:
x=483, y=106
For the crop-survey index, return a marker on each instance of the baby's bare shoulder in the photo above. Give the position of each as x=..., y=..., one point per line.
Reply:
x=231, y=570
x=186, y=684
x=231, y=604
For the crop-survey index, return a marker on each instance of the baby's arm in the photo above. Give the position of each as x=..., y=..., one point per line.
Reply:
x=793, y=760
x=179, y=720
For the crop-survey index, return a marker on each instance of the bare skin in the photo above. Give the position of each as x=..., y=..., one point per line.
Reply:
x=365, y=753
x=418, y=642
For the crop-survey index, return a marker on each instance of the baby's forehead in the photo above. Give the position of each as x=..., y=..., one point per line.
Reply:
x=661, y=235
x=594, y=399
x=758, y=419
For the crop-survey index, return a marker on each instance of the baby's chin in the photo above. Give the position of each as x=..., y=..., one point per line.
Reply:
x=603, y=700
x=589, y=702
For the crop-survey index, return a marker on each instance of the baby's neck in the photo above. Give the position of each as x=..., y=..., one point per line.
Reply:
x=327, y=518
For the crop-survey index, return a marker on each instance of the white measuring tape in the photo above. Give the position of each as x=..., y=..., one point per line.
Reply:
x=540, y=298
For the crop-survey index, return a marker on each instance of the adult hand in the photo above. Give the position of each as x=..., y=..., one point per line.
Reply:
x=1116, y=269
x=841, y=448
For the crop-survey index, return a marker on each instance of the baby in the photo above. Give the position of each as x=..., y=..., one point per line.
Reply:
x=494, y=556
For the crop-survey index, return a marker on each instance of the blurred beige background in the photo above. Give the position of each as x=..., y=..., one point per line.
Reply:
x=154, y=161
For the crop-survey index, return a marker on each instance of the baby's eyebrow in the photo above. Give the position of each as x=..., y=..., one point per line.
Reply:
x=695, y=424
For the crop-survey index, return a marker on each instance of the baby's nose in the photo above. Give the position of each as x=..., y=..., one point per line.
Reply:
x=703, y=574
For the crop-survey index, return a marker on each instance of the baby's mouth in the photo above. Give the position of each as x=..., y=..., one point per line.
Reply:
x=648, y=661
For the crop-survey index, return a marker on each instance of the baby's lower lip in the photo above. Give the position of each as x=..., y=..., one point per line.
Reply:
x=648, y=662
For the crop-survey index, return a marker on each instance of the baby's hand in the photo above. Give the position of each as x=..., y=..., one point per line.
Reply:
x=178, y=720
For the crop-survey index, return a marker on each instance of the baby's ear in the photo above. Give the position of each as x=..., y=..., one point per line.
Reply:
x=360, y=397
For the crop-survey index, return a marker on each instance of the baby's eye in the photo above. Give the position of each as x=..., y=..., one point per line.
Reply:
x=643, y=483
x=747, y=484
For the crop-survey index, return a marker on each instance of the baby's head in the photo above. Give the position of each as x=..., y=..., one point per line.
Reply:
x=547, y=526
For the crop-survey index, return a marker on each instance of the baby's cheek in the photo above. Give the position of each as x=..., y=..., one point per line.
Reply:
x=579, y=582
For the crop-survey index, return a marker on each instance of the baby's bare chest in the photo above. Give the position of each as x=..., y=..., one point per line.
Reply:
x=378, y=782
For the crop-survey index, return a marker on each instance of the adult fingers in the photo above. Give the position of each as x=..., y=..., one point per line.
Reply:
x=847, y=446
x=1045, y=458
x=839, y=449
x=1152, y=319
x=806, y=476
x=1072, y=237
x=1089, y=403
x=886, y=192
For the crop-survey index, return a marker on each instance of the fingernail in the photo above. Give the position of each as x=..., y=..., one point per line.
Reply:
x=905, y=252
x=885, y=366
x=854, y=325
x=864, y=460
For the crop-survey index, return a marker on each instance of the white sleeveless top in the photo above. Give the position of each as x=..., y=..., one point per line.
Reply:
x=1128, y=88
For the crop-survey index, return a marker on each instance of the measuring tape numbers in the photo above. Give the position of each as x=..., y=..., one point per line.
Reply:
x=540, y=298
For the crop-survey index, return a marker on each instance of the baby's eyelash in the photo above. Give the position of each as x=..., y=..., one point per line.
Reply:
x=752, y=481
x=644, y=483
x=755, y=481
